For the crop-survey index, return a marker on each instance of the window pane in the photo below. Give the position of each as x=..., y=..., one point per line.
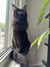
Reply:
x=2, y=22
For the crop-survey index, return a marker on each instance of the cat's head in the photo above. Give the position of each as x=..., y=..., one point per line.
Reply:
x=20, y=14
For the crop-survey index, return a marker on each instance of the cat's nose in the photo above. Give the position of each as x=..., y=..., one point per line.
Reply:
x=20, y=16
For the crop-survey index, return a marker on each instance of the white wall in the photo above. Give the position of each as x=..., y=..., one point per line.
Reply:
x=34, y=30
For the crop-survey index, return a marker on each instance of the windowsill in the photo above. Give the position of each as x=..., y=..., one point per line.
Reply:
x=5, y=53
x=1, y=50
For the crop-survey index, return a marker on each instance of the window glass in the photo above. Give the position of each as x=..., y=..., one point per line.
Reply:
x=2, y=22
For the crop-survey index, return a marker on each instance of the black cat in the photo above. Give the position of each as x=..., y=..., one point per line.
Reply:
x=20, y=42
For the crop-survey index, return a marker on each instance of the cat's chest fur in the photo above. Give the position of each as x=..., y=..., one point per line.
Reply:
x=19, y=37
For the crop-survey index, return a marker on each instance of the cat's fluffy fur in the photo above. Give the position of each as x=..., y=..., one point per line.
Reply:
x=20, y=42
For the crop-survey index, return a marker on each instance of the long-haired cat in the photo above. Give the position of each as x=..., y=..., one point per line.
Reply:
x=20, y=42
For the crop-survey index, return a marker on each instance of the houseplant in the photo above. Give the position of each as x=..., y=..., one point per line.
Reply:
x=47, y=32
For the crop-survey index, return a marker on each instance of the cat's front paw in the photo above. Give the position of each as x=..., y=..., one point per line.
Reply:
x=17, y=50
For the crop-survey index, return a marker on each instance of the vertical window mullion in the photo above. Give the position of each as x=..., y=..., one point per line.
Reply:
x=6, y=24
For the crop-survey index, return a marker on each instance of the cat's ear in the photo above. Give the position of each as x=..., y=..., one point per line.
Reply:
x=14, y=7
x=24, y=8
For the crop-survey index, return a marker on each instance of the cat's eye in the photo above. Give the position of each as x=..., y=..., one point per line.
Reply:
x=19, y=12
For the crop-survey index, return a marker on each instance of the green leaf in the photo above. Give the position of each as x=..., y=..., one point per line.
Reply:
x=34, y=42
x=46, y=34
x=46, y=19
x=42, y=37
x=42, y=10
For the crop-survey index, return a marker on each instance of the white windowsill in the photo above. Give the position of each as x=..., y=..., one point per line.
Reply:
x=5, y=53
